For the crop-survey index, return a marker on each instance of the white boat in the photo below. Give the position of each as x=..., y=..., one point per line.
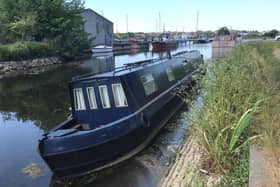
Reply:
x=102, y=49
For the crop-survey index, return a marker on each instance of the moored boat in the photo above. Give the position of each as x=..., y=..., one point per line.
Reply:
x=201, y=41
x=116, y=114
x=102, y=49
x=164, y=45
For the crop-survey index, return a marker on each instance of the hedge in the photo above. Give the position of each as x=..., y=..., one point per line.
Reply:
x=25, y=50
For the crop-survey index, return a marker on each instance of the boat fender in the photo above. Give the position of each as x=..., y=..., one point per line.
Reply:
x=144, y=120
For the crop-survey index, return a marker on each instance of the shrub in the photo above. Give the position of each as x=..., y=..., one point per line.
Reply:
x=25, y=50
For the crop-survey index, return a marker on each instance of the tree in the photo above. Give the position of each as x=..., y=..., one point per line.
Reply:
x=223, y=31
x=69, y=34
x=20, y=28
x=57, y=21
x=271, y=33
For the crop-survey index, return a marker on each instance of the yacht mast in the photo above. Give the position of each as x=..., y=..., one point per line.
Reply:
x=127, y=25
x=156, y=25
x=197, y=19
x=159, y=25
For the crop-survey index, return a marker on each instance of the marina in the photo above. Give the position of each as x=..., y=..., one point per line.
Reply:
x=139, y=93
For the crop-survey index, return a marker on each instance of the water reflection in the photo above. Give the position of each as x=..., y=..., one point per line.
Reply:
x=42, y=98
x=205, y=49
x=98, y=64
x=30, y=105
x=162, y=54
x=120, y=176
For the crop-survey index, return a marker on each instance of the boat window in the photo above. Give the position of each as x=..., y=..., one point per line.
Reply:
x=149, y=83
x=91, y=98
x=170, y=74
x=79, y=100
x=103, y=91
x=119, y=96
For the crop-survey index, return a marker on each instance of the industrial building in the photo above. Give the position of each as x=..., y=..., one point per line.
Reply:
x=100, y=29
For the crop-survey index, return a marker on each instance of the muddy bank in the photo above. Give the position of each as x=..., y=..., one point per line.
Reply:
x=35, y=66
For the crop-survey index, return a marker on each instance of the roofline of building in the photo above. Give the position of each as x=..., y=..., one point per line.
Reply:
x=90, y=10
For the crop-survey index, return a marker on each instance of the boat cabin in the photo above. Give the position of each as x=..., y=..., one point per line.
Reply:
x=97, y=100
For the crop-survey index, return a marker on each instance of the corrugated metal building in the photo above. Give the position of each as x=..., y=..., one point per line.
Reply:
x=99, y=28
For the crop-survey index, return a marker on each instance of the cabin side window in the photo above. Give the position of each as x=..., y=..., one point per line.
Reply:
x=170, y=74
x=149, y=83
x=119, y=95
x=79, y=100
x=104, y=96
x=91, y=98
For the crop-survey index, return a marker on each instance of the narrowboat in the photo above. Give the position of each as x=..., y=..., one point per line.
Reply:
x=116, y=114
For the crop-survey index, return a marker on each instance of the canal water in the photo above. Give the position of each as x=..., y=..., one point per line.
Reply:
x=32, y=104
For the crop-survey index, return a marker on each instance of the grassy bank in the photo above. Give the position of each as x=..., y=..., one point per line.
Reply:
x=241, y=104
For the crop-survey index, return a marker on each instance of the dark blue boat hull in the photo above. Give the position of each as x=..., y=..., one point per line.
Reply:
x=96, y=157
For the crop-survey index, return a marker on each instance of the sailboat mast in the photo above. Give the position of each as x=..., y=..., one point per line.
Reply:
x=197, y=20
x=159, y=25
x=127, y=25
x=156, y=25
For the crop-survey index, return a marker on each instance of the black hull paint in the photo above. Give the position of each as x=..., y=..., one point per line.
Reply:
x=112, y=152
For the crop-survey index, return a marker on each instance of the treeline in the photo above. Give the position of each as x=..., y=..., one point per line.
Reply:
x=271, y=33
x=126, y=35
x=57, y=23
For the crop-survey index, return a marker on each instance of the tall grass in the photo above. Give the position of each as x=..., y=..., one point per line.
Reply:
x=239, y=93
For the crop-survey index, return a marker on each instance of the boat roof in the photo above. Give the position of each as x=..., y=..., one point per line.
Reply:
x=132, y=67
x=127, y=68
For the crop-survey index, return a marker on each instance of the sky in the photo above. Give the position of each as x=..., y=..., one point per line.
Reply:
x=181, y=15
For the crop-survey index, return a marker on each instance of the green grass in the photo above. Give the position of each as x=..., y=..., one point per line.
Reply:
x=241, y=103
x=240, y=172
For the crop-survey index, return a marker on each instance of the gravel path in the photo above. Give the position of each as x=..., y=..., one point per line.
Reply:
x=264, y=168
x=276, y=53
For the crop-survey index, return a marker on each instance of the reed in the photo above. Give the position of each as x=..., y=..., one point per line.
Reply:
x=241, y=103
